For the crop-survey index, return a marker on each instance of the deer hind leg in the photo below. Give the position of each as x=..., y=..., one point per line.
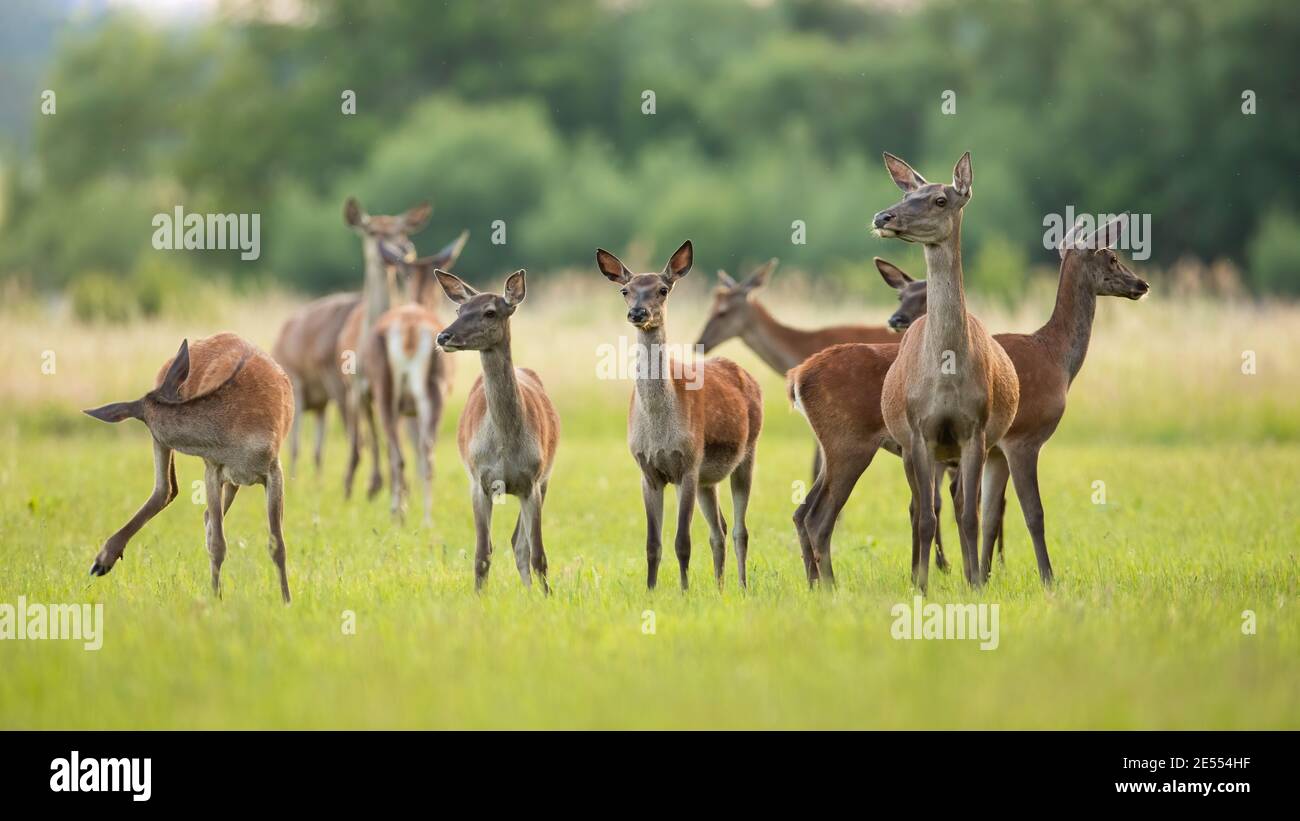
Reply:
x=993, y=492
x=742, y=479
x=1023, y=461
x=428, y=408
x=164, y=491
x=707, y=497
x=972, y=471
x=682, y=539
x=275, y=518
x=801, y=527
x=318, y=454
x=652, y=494
x=387, y=396
x=376, y=466
x=482, y=502
x=214, y=524
x=817, y=462
x=840, y=475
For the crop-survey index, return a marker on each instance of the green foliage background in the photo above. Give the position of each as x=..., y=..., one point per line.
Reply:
x=766, y=113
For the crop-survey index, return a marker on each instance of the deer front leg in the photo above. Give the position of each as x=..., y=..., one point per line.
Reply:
x=996, y=473
x=318, y=453
x=685, y=512
x=351, y=419
x=921, y=478
x=482, y=501
x=296, y=428
x=164, y=490
x=386, y=398
x=972, y=470
x=652, y=494
x=213, y=520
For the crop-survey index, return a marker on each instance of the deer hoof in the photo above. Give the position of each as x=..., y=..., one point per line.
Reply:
x=98, y=569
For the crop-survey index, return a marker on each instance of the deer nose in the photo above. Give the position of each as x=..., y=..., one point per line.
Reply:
x=638, y=315
x=443, y=339
x=898, y=322
x=881, y=219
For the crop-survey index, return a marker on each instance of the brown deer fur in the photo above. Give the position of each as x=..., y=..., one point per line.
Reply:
x=410, y=375
x=952, y=392
x=227, y=402
x=508, y=429
x=690, y=425
x=385, y=243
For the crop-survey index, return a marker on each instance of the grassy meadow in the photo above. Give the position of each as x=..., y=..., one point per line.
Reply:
x=1143, y=630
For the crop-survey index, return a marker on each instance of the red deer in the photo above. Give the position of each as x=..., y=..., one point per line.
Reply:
x=951, y=394
x=508, y=430
x=690, y=424
x=227, y=402
x=409, y=376
x=385, y=243
x=838, y=390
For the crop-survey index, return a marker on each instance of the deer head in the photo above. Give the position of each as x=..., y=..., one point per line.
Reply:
x=391, y=234
x=1100, y=267
x=646, y=294
x=420, y=275
x=911, y=295
x=929, y=212
x=732, y=312
x=482, y=320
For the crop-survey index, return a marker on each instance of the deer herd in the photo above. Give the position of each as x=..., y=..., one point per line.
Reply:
x=948, y=397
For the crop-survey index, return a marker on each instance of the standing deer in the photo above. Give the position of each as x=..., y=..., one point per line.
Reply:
x=508, y=430
x=229, y=403
x=838, y=391
x=1046, y=362
x=691, y=424
x=410, y=376
x=952, y=392
x=385, y=243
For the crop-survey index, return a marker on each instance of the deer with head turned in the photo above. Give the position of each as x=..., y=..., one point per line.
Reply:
x=952, y=392
x=690, y=424
x=409, y=375
x=508, y=430
x=385, y=244
x=230, y=404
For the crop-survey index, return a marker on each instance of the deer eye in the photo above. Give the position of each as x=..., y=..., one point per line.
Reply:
x=489, y=314
x=941, y=201
x=663, y=292
x=623, y=291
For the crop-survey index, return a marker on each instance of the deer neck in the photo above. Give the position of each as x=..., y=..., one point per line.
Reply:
x=654, y=389
x=945, y=317
x=377, y=291
x=501, y=387
x=422, y=291
x=780, y=346
x=1069, y=329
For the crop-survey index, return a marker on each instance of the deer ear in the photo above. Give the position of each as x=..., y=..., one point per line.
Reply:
x=353, y=216
x=176, y=375
x=456, y=289
x=1109, y=235
x=679, y=264
x=894, y=276
x=516, y=288
x=1071, y=241
x=727, y=282
x=904, y=176
x=446, y=256
x=962, y=175
x=416, y=216
x=115, y=412
x=612, y=267
x=759, y=278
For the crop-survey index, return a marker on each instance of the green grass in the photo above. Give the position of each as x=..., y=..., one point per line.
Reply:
x=1143, y=629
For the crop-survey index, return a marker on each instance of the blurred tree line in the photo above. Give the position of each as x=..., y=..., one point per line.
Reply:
x=767, y=116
